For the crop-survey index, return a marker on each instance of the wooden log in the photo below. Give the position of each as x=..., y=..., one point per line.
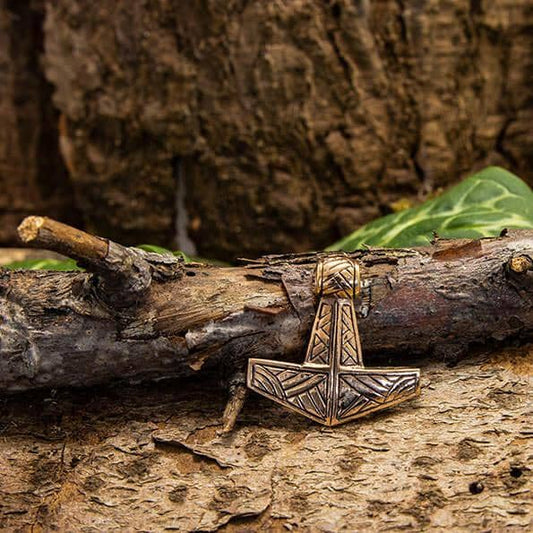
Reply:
x=74, y=329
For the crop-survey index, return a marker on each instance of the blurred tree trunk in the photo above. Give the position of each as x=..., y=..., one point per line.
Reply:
x=33, y=177
x=260, y=126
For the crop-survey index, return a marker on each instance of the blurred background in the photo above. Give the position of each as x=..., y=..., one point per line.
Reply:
x=231, y=128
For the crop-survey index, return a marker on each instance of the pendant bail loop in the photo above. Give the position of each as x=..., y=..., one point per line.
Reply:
x=338, y=276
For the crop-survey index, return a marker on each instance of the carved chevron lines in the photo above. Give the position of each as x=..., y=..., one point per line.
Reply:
x=349, y=336
x=355, y=393
x=286, y=383
x=371, y=389
x=319, y=345
x=339, y=277
x=339, y=315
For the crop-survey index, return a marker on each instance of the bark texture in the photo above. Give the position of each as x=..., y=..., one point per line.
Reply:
x=148, y=458
x=142, y=316
x=280, y=126
x=33, y=177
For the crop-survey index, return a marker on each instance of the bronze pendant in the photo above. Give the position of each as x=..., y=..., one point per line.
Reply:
x=332, y=386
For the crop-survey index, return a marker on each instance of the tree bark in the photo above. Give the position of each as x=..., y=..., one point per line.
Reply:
x=33, y=177
x=259, y=127
x=144, y=316
x=148, y=457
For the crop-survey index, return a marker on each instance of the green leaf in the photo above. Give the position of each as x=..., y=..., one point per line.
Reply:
x=70, y=264
x=160, y=250
x=178, y=253
x=154, y=249
x=480, y=206
x=43, y=264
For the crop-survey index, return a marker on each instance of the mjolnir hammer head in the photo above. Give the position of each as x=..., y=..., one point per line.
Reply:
x=332, y=386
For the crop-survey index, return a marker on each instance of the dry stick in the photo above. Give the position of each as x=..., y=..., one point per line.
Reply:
x=236, y=399
x=49, y=234
x=123, y=271
x=76, y=328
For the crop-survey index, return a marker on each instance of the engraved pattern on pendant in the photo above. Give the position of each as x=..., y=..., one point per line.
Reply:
x=332, y=386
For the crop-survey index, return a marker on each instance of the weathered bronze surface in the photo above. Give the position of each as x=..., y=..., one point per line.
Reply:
x=332, y=386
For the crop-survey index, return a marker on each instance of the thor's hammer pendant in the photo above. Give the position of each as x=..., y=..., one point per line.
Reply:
x=332, y=386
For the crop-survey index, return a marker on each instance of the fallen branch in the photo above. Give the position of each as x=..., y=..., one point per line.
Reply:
x=136, y=315
x=124, y=274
